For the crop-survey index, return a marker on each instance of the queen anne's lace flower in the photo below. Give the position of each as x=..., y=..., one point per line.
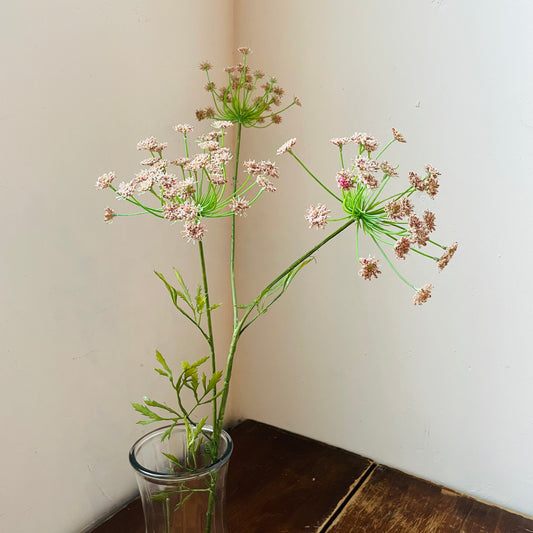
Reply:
x=265, y=184
x=398, y=136
x=317, y=216
x=416, y=181
x=222, y=124
x=125, y=190
x=402, y=247
x=183, y=128
x=209, y=145
x=388, y=169
x=105, y=180
x=423, y=295
x=448, y=254
x=286, y=147
x=341, y=141
x=109, y=214
x=151, y=144
x=239, y=205
x=368, y=142
x=193, y=231
x=188, y=210
x=186, y=188
x=145, y=179
x=345, y=179
x=369, y=268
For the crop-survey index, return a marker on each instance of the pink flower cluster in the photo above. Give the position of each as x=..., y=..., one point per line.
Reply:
x=317, y=216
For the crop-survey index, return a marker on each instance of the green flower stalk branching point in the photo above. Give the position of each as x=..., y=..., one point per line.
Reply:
x=209, y=181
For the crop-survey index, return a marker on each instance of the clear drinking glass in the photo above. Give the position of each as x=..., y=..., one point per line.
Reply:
x=181, y=492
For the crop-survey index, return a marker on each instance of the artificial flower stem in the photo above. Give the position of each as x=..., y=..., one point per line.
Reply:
x=211, y=340
x=239, y=328
x=425, y=255
x=313, y=176
x=391, y=265
x=357, y=241
x=382, y=151
x=376, y=195
x=309, y=253
x=233, y=225
x=437, y=244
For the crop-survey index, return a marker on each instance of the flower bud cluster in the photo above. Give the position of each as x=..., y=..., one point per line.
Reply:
x=243, y=99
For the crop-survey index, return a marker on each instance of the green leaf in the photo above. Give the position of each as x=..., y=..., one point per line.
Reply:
x=182, y=283
x=215, y=378
x=200, y=303
x=162, y=372
x=162, y=495
x=153, y=403
x=198, y=428
x=182, y=502
x=163, y=363
x=184, y=298
x=173, y=458
x=216, y=306
x=166, y=434
x=201, y=361
x=170, y=288
x=146, y=412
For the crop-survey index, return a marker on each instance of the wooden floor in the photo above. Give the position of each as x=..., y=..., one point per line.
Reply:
x=279, y=482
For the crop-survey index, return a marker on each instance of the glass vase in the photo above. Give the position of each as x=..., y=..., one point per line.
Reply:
x=182, y=490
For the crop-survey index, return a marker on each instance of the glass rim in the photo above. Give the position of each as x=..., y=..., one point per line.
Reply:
x=139, y=468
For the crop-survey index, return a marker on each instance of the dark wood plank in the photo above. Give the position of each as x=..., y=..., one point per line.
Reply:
x=391, y=501
x=279, y=482
x=129, y=519
x=485, y=518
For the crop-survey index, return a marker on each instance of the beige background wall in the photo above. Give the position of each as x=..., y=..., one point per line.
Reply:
x=81, y=312
x=443, y=391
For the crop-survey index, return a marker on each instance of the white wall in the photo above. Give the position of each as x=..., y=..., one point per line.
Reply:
x=444, y=391
x=81, y=312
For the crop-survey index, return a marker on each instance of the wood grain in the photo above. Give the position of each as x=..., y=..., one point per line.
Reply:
x=280, y=482
x=391, y=501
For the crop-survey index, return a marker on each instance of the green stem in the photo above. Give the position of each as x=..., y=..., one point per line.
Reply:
x=289, y=269
x=232, y=256
x=382, y=151
x=314, y=177
x=357, y=242
x=211, y=340
x=310, y=253
x=391, y=265
x=240, y=326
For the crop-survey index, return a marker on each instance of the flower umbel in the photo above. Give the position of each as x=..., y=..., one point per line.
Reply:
x=241, y=100
x=388, y=219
